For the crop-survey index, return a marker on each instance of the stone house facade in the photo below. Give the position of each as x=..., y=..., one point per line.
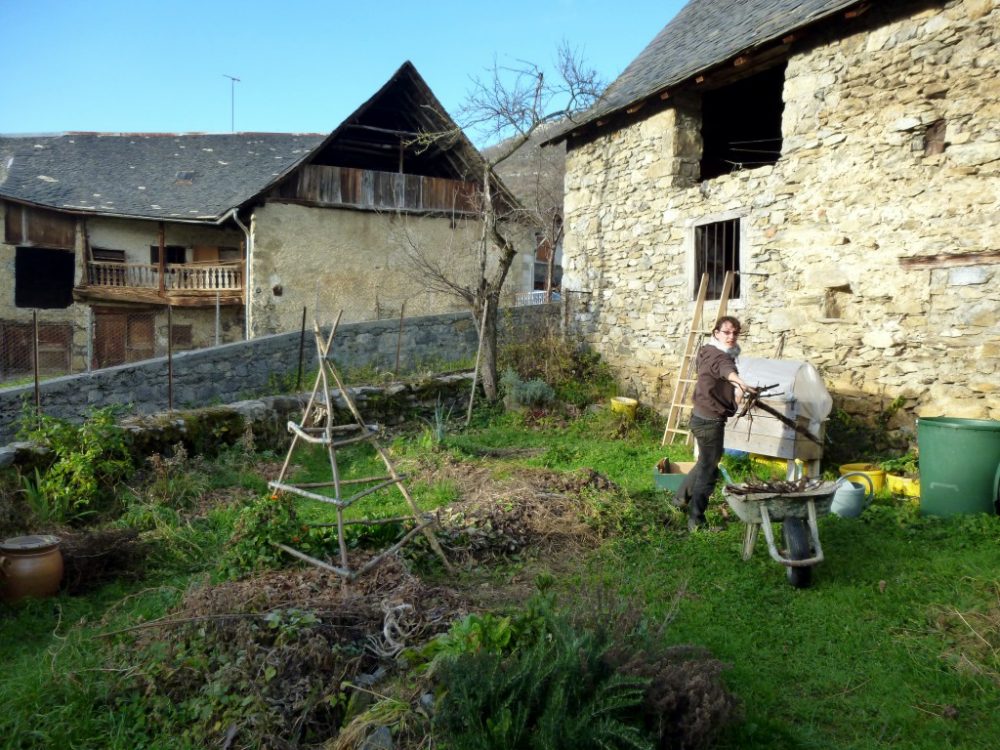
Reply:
x=843, y=157
x=236, y=233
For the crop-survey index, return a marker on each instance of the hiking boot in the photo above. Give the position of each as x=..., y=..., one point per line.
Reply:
x=701, y=526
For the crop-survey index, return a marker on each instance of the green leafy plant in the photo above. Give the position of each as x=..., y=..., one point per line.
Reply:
x=555, y=690
x=907, y=465
x=267, y=521
x=89, y=459
x=850, y=436
x=432, y=438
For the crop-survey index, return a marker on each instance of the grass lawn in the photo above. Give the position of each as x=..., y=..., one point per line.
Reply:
x=894, y=646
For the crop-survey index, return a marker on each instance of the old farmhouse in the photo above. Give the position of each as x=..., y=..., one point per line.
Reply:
x=842, y=157
x=236, y=233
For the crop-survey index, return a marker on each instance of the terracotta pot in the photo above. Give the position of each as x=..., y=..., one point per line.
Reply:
x=30, y=566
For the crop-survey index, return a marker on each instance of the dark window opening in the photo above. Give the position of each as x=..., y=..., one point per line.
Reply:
x=104, y=255
x=181, y=336
x=43, y=278
x=175, y=254
x=934, y=138
x=543, y=251
x=741, y=124
x=716, y=251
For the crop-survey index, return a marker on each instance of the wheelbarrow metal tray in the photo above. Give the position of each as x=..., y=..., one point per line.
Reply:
x=781, y=506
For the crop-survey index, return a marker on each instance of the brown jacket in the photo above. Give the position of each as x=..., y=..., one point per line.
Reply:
x=714, y=396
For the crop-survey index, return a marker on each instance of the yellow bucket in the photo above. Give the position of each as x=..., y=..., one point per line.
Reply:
x=902, y=485
x=624, y=406
x=777, y=464
x=873, y=472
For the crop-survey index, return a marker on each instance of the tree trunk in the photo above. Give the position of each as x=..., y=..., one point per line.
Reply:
x=488, y=358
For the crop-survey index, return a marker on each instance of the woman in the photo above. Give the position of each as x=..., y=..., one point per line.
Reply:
x=717, y=393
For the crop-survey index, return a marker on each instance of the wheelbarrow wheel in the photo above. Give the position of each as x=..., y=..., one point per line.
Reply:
x=796, y=535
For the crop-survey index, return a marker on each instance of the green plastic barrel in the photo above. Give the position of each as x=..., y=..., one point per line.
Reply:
x=959, y=465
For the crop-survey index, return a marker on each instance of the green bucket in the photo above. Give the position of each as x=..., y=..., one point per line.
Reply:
x=959, y=465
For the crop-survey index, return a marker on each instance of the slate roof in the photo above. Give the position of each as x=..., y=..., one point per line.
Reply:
x=703, y=34
x=199, y=177
x=190, y=176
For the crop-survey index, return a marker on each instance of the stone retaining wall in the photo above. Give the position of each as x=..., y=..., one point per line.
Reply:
x=826, y=231
x=266, y=365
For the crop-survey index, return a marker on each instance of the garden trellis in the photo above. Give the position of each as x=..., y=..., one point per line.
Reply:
x=317, y=427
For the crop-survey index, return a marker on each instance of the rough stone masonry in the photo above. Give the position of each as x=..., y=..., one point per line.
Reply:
x=835, y=235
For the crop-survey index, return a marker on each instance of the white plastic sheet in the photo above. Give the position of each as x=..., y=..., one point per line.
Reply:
x=798, y=381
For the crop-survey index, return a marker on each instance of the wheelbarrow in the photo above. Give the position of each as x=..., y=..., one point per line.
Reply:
x=797, y=512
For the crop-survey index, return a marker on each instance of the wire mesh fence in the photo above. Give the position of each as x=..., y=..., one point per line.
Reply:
x=30, y=349
x=33, y=347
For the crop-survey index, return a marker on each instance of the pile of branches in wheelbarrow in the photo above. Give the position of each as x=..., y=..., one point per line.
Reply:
x=755, y=486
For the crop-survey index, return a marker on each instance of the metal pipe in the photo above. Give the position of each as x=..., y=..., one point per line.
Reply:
x=38, y=390
x=247, y=273
x=170, y=359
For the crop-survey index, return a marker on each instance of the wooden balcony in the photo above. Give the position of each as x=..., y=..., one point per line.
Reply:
x=181, y=284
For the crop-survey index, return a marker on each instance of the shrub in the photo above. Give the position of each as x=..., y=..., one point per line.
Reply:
x=554, y=691
x=525, y=394
x=269, y=520
x=89, y=459
x=578, y=376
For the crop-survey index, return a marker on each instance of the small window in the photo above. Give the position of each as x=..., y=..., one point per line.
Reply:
x=175, y=254
x=43, y=278
x=741, y=124
x=716, y=251
x=934, y=138
x=543, y=251
x=181, y=336
x=230, y=255
x=108, y=256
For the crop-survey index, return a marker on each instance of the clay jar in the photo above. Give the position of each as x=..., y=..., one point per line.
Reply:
x=30, y=566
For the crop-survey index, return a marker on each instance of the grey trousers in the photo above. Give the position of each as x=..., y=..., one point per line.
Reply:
x=699, y=484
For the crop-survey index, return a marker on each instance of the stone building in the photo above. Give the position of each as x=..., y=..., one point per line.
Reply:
x=843, y=157
x=236, y=233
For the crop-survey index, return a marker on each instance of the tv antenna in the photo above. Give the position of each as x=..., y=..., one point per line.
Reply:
x=233, y=80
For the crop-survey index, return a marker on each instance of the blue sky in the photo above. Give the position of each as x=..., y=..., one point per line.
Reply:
x=142, y=66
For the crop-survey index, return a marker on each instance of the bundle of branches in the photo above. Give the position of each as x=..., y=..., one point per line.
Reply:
x=775, y=487
x=752, y=400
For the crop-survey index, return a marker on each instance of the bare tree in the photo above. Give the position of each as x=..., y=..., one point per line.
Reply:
x=508, y=105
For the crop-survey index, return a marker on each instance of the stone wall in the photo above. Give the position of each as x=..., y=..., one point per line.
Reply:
x=826, y=230
x=233, y=372
x=332, y=259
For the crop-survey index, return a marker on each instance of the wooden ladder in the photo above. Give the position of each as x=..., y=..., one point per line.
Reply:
x=686, y=374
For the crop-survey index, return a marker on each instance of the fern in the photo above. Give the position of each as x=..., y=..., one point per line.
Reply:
x=554, y=692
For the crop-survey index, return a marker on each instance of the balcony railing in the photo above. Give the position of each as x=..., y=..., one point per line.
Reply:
x=176, y=276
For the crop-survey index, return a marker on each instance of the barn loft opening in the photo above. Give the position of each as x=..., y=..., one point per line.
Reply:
x=741, y=124
x=389, y=134
x=43, y=278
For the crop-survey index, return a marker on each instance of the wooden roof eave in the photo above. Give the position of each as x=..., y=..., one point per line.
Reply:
x=82, y=212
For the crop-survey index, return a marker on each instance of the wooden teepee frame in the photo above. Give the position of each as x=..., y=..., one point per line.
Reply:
x=316, y=426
